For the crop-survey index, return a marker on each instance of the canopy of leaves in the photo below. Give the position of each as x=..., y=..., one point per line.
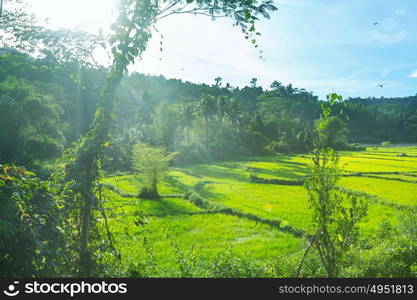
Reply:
x=30, y=119
x=151, y=164
x=147, y=159
x=20, y=30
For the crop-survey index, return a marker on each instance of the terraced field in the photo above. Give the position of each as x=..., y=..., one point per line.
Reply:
x=258, y=207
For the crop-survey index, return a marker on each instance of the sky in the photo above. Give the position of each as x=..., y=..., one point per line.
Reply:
x=352, y=47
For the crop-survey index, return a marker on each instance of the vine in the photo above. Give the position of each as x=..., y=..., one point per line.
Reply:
x=131, y=33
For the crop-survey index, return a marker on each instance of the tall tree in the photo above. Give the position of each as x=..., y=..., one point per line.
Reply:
x=218, y=81
x=186, y=120
x=206, y=109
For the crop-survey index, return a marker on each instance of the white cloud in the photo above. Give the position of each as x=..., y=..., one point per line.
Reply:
x=413, y=74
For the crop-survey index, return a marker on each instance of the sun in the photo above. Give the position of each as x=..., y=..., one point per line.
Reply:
x=89, y=15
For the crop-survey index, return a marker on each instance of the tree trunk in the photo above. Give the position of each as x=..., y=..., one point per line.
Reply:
x=85, y=257
x=78, y=108
x=188, y=137
x=154, y=182
x=207, y=133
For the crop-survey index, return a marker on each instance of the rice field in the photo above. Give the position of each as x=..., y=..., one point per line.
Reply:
x=173, y=224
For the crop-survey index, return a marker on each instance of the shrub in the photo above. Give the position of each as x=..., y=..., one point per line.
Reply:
x=280, y=146
x=390, y=258
x=32, y=242
x=151, y=164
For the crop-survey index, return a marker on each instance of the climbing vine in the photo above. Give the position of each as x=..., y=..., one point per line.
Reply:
x=131, y=33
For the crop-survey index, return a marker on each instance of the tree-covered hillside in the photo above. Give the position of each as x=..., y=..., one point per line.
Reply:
x=202, y=122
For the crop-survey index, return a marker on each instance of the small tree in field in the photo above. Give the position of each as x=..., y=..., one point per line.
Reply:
x=151, y=164
x=335, y=214
x=334, y=131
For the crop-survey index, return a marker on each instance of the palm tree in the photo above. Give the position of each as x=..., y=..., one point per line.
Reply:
x=187, y=115
x=253, y=82
x=206, y=109
x=223, y=103
x=218, y=81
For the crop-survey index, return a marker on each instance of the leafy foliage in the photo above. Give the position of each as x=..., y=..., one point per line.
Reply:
x=334, y=130
x=20, y=30
x=30, y=119
x=335, y=215
x=32, y=236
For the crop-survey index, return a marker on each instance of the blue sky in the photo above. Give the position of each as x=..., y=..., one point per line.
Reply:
x=321, y=45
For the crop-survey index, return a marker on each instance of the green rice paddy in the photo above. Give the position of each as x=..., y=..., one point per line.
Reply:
x=387, y=176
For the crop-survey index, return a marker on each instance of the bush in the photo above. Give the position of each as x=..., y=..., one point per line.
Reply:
x=226, y=265
x=391, y=258
x=354, y=147
x=32, y=242
x=255, y=142
x=393, y=253
x=279, y=147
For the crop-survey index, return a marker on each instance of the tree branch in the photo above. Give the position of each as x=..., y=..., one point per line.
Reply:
x=304, y=256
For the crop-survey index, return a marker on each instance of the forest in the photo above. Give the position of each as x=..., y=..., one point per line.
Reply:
x=201, y=122
x=110, y=173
